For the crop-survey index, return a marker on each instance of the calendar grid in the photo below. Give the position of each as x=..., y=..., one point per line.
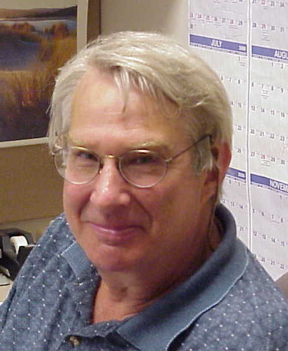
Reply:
x=250, y=37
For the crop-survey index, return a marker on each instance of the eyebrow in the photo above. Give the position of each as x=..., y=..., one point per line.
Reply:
x=162, y=148
x=153, y=145
x=83, y=143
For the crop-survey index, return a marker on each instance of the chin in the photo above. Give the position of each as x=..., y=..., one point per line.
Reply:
x=111, y=259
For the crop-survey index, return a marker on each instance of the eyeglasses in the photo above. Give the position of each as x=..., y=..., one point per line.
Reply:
x=140, y=168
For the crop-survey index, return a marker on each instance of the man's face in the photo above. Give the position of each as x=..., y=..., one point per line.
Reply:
x=119, y=226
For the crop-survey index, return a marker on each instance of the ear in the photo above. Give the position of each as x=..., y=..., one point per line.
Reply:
x=221, y=157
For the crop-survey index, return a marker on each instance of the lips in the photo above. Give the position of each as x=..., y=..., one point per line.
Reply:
x=115, y=234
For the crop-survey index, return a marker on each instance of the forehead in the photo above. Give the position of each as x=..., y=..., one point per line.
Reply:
x=99, y=108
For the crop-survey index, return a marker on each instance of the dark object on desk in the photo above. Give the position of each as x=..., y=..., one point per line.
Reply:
x=15, y=246
x=282, y=283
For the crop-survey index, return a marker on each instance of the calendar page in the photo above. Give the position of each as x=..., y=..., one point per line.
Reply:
x=246, y=44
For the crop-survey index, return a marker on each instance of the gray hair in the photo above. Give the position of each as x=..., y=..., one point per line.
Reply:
x=157, y=65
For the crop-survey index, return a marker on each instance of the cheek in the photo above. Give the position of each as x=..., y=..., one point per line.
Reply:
x=74, y=198
x=162, y=204
x=182, y=201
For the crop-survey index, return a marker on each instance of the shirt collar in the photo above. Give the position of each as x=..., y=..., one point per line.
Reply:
x=77, y=259
x=158, y=325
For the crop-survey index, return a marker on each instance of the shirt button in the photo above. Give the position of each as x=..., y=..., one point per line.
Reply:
x=74, y=340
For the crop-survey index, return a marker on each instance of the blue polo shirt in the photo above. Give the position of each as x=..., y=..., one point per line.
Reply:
x=229, y=304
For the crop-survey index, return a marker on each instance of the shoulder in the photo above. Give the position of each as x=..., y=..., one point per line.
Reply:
x=253, y=315
x=259, y=290
x=54, y=241
x=257, y=308
x=58, y=233
x=257, y=282
x=48, y=250
x=45, y=257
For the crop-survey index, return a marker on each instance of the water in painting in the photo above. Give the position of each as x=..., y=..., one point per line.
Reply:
x=33, y=45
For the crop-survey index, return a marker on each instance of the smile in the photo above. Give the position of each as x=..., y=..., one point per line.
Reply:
x=116, y=235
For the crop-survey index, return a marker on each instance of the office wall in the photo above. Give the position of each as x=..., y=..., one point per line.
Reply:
x=31, y=189
x=167, y=16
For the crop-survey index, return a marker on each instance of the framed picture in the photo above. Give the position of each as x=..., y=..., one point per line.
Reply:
x=37, y=37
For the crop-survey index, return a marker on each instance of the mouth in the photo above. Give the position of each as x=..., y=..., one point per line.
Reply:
x=116, y=234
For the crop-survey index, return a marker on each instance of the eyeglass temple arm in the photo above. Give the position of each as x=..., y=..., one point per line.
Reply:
x=189, y=147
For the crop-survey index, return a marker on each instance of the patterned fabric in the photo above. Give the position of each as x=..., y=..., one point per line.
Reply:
x=229, y=304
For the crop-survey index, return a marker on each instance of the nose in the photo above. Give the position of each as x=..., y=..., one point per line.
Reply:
x=109, y=188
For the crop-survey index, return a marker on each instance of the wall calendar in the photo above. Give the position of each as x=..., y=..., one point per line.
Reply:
x=245, y=41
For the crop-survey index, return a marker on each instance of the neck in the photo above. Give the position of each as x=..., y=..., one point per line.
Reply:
x=115, y=300
x=124, y=294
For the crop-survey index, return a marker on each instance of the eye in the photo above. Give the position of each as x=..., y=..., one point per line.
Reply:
x=82, y=156
x=141, y=163
x=143, y=159
x=85, y=155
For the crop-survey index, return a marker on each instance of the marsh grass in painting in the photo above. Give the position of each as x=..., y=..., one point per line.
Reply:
x=33, y=45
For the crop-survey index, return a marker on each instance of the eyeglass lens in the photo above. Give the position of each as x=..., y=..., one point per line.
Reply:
x=141, y=168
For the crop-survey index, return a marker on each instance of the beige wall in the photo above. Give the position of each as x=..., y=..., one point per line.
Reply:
x=167, y=16
x=30, y=186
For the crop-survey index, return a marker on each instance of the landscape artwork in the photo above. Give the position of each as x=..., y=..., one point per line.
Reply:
x=34, y=43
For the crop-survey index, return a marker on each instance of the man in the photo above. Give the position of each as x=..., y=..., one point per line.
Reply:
x=144, y=257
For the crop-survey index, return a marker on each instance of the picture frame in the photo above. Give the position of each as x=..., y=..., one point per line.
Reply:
x=41, y=8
